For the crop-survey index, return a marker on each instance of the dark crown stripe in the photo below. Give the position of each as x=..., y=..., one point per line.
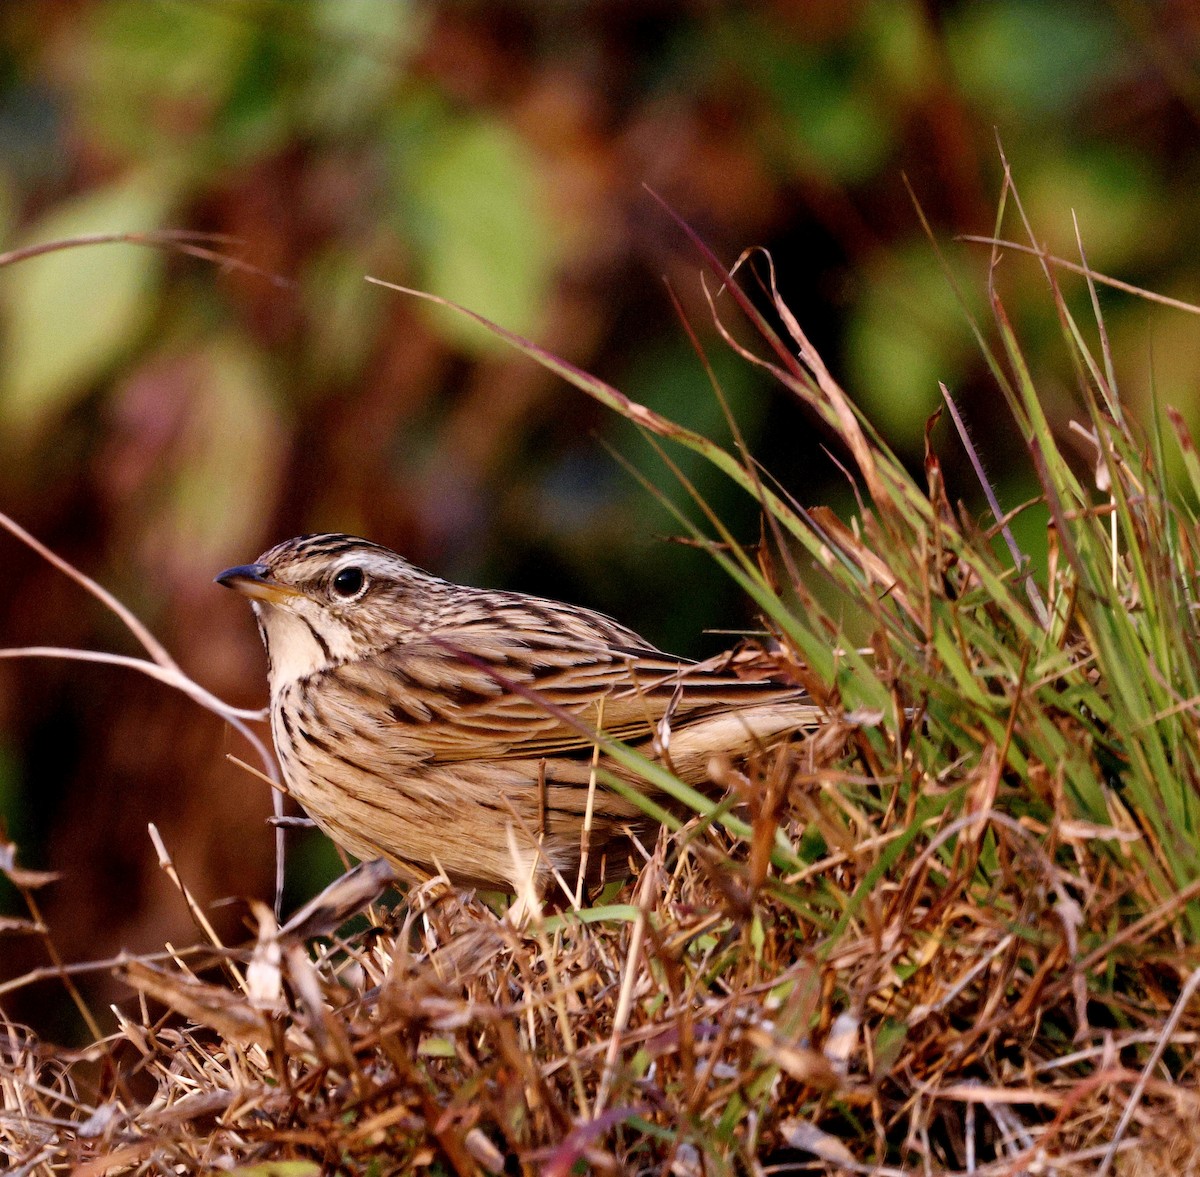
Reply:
x=332, y=544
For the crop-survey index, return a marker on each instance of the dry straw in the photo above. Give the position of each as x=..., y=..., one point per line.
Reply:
x=952, y=932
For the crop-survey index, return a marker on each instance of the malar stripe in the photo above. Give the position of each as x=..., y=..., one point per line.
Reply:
x=321, y=642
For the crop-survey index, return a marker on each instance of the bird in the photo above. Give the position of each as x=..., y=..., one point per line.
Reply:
x=452, y=730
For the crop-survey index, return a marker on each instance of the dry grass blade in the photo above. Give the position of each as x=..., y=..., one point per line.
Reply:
x=953, y=931
x=198, y=245
x=1063, y=263
x=160, y=666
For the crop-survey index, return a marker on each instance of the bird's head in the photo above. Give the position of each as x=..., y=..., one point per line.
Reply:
x=323, y=600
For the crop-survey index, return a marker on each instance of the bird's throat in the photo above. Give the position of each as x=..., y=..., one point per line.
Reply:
x=295, y=649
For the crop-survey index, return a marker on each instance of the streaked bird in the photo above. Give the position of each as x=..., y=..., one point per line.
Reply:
x=452, y=729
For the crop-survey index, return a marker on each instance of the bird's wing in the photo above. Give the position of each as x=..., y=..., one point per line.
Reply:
x=477, y=695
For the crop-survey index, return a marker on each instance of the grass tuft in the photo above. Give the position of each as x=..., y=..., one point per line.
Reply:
x=952, y=931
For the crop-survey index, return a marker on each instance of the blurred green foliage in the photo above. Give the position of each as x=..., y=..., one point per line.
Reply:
x=71, y=315
x=488, y=245
x=1031, y=61
x=164, y=416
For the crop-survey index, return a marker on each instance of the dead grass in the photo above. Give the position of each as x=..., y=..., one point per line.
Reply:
x=962, y=1018
x=953, y=932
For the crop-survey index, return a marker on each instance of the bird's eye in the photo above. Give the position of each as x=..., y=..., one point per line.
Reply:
x=349, y=583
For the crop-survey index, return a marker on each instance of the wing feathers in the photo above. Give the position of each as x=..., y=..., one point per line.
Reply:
x=444, y=708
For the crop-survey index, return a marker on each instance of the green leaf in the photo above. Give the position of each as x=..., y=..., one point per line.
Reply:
x=889, y=1044
x=1113, y=194
x=834, y=120
x=487, y=239
x=1023, y=59
x=151, y=78
x=229, y=456
x=70, y=314
x=906, y=334
x=437, y=1048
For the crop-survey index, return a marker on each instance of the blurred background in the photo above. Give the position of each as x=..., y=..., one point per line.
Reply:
x=162, y=417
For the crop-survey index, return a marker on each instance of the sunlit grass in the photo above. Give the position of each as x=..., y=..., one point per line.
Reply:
x=951, y=930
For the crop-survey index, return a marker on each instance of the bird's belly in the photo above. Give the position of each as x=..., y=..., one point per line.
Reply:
x=480, y=822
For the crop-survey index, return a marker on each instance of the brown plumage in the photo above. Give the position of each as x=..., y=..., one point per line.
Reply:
x=446, y=727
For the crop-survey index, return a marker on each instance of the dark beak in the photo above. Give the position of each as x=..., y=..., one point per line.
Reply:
x=255, y=581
